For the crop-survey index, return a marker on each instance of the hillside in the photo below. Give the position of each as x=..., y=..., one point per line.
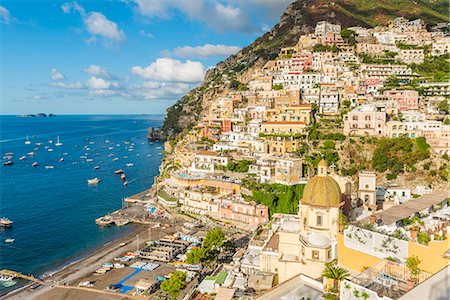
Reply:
x=299, y=18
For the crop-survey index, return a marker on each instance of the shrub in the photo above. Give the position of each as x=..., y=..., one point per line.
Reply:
x=391, y=176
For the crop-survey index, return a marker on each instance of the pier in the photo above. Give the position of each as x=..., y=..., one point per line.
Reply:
x=20, y=275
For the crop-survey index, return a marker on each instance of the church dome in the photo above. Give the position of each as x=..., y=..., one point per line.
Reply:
x=322, y=190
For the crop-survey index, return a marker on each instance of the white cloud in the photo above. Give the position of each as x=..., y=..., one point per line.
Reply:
x=5, y=16
x=97, y=71
x=96, y=23
x=67, y=85
x=56, y=75
x=146, y=34
x=100, y=83
x=162, y=90
x=206, y=51
x=167, y=69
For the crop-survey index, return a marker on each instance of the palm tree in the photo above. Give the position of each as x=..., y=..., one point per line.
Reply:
x=335, y=273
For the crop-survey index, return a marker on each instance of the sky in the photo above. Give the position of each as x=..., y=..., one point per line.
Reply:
x=118, y=56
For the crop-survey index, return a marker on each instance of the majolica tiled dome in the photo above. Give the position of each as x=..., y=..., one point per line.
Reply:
x=322, y=190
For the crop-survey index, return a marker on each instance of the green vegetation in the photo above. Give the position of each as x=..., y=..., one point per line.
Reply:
x=348, y=36
x=334, y=272
x=278, y=198
x=277, y=86
x=175, y=284
x=435, y=67
x=236, y=85
x=163, y=194
x=239, y=166
x=325, y=48
x=214, y=243
x=423, y=238
x=395, y=154
x=445, y=107
x=412, y=263
x=368, y=59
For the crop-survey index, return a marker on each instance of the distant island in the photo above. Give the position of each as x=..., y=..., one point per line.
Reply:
x=40, y=115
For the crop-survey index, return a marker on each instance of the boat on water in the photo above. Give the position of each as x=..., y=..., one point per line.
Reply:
x=49, y=167
x=96, y=167
x=120, y=171
x=38, y=144
x=125, y=183
x=61, y=159
x=123, y=177
x=65, y=153
x=58, y=143
x=89, y=159
x=35, y=164
x=5, y=222
x=22, y=158
x=9, y=154
x=130, y=164
x=104, y=221
x=114, y=159
x=83, y=156
x=121, y=222
x=27, y=142
x=50, y=141
x=31, y=154
x=6, y=277
x=10, y=240
x=50, y=150
x=95, y=180
x=7, y=157
x=7, y=163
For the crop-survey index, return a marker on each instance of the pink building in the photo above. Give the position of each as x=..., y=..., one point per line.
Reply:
x=365, y=120
x=236, y=209
x=406, y=99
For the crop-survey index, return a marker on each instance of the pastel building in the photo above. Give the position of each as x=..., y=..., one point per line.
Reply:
x=236, y=209
x=406, y=99
x=365, y=120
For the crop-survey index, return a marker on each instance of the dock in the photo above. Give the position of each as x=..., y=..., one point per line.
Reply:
x=20, y=275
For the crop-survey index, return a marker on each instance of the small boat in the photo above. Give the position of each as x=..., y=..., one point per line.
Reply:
x=89, y=159
x=120, y=171
x=126, y=143
x=49, y=167
x=121, y=222
x=104, y=221
x=95, y=180
x=38, y=144
x=91, y=143
x=50, y=141
x=138, y=154
x=65, y=153
x=83, y=157
x=7, y=163
x=31, y=154
x=9, y=153
x=50, y=150
x=125, y=156
x=130, y=164
x=61, y=159
x=10, y=240
x=123, y=177
x=7, y=157
x=27, y=142
x=125, y=183
x=131, y=149
x=96, y=167
x=35, y=164
x=5, y=222
x=6, y=277
x=23, y=158
x=110, y=148
x=114, y=159
x=58, y=143
x=111, y=155
x=107, y=141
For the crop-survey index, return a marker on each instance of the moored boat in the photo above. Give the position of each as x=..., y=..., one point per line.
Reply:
x=120, y=171
x=123, y=177
x=49, y=167
x=27, y=142
x=130, y=165
x=5, y=222
x=104, y=221
x=95, y=180
x=35, y=164
x=8, y=163
x=6, y=277
x=31, y=154
x=22, y=158
x=10, y=240
x=58, y=143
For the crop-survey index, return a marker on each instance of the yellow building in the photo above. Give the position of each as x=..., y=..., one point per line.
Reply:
x=282, y=145
x=289, y=171
x=282, y=127
x=304, y=243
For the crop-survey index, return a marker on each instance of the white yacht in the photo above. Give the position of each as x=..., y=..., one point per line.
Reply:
x=58, y=143
x=95, y=180
x=27, y=142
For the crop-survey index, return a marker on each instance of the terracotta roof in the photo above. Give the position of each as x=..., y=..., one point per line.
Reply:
x=209, y=153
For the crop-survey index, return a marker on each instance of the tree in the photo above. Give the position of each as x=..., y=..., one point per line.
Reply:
x=215, y=239
x=196, y=255
x=444, y=106
x=335, y=273
x=412, y=263
x=175, y=284
x=277, y=87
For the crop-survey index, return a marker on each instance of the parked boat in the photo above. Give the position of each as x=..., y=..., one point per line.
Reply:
x=123, y=177
x=95, y=180
x=58, y=143
x=61, y=159
x=10, y=240
x=125, y=183
x=104, y=221
x=38, y=144
x=9, y=154
x=49, y=167
x=8, y=163
x=6, y=277
x=27, y=142
x=31, y=154
x=130, y=165
x=96, y=167
x=89, y=160
x=35, y=164
x=121, y=222
x=50, y=150
x=5, y=222
x=115, y=159
x=7, y=157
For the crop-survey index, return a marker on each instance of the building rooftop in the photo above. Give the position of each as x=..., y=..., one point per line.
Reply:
x=436, y=287
x=409, y=208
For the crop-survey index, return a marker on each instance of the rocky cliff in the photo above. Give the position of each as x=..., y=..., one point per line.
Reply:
x=299, y=18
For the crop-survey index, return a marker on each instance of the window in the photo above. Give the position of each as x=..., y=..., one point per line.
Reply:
x=367, y=186
x=328, y=254
x=319, y=221
x=303, y=250
x=315, y=255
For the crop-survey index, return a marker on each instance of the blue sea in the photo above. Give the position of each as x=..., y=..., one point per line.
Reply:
x=54, y=210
